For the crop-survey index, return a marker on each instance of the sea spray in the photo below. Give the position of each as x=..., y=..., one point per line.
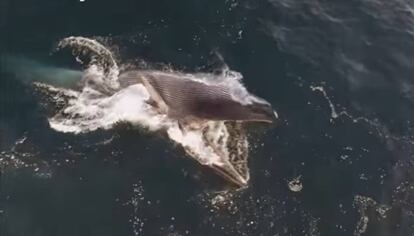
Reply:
x=100, y=104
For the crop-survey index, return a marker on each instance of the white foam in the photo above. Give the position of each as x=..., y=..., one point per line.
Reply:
x=193, y=142
x=90, y=111
x=100, y=106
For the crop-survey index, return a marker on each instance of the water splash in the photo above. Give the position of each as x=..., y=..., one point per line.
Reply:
x=380, y=129
x=364, y=204
x=101, y=104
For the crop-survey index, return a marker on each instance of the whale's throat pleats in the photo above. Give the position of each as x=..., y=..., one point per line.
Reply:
x=185, y=97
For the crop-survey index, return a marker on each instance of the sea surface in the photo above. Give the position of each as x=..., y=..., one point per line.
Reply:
x=340, y=161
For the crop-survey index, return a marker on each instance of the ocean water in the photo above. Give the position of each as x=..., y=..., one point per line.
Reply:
x=339, y=161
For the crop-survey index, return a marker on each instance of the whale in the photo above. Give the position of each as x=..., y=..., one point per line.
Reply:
x=206, y=114
x=177, y=95
x=185, y=99
x=194, y=103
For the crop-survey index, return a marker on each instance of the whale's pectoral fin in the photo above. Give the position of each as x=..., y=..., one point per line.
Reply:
x=181, y=125
x=152, y=103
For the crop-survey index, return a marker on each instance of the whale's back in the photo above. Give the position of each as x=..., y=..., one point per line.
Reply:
x=185, y=97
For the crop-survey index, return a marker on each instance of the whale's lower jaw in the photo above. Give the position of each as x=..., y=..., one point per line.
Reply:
x=229, y=173
x=233, y=164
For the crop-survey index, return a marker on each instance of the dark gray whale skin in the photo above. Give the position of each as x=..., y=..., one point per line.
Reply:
x=183, y=98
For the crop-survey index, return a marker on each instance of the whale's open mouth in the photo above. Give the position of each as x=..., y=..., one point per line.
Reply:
x=231, y=174
x=203, y=113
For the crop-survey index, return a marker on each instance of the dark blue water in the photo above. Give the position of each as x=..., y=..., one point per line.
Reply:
x=339, y=73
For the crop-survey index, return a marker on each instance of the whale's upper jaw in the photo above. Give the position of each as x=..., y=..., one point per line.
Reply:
x=261, y=112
